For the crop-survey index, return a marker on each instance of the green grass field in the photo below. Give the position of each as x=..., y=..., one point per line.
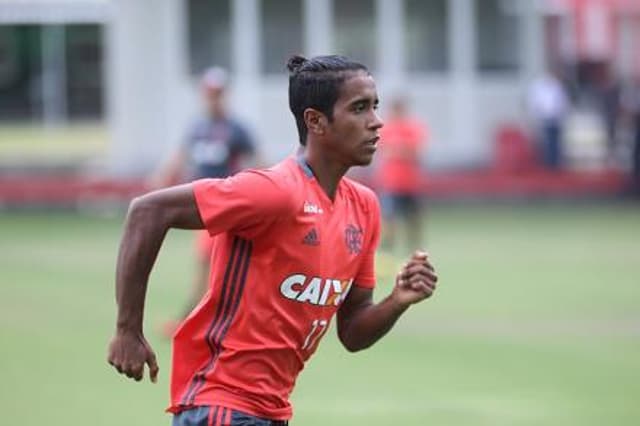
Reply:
x=536, y=322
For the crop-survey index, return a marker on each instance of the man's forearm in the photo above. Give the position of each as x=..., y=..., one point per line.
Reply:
x=139, y=248
x=369, y=323
x=148, y=220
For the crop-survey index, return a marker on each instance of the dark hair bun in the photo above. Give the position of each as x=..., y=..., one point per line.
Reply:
x=295, y=62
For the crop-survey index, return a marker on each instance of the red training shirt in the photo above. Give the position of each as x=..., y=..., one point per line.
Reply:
x=284, y=259
x=400, y=143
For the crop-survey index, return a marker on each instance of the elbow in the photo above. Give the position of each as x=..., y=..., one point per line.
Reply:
x=142, y=211
x=352, y=344
x=354, y=347
x=351, y=348
x=138, y=209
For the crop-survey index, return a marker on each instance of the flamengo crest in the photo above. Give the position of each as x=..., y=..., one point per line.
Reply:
x=353, y=239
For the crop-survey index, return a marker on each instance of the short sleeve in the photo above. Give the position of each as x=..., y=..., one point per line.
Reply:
x=245, y=204
x=366, y=276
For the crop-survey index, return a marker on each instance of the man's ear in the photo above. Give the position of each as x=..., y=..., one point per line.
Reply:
x=315, y=120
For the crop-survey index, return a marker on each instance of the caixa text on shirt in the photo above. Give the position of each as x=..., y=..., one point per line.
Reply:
x=315, y=290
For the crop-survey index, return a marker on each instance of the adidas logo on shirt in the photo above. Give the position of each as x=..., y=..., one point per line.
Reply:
x=311, y=208
x=311, y=239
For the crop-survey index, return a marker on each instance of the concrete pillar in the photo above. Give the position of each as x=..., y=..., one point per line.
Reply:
x=246, y=28
x=54, y=75
x=390, y=46
x=318, y=23
x=462, y=116
x=532, y=51
x=245, y=31
x=176, y=72
x=141, y=46
x=629, y=57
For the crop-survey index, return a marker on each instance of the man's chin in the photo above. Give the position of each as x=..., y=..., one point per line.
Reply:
x=364, y=160
x=361, y=160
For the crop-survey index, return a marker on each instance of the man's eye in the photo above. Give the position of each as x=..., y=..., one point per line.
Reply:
x=360, y=107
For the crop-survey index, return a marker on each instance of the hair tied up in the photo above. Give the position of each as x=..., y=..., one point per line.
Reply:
x=296, y=62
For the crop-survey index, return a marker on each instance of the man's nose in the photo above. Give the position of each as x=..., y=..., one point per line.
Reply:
x=376, y=122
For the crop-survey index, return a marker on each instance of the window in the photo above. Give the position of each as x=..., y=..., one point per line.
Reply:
x=84, y=70
x=355, y=30
x=209, y=34
x=497, y=35
x=282, y=33
x=426, y=35
x=20, y=72
x=59, y=79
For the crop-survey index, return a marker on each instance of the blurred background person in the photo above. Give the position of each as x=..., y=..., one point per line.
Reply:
x=217, y=145
x=631, y=107
x=399, y=174
x=548, y=105
x=609, y=103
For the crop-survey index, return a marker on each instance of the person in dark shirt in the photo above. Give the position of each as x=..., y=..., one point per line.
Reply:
x=217, y=146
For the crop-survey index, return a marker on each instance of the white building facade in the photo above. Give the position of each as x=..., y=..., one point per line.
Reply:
x=464, y=64
x=153, y=80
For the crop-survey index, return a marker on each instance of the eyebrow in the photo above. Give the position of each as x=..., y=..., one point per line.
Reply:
x=367, y=100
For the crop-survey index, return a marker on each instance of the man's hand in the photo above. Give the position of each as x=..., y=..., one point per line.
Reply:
x=416, y=281
x=128, y=352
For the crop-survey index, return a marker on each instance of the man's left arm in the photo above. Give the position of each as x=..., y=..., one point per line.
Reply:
x=361, y=322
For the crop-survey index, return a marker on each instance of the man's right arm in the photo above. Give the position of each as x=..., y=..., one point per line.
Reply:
x=148, y=220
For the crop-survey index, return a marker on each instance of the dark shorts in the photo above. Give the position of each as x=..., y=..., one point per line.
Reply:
x=221, y=416
x=397, y=204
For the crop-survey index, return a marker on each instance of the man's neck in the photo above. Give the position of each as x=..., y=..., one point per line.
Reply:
x=327, y=172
